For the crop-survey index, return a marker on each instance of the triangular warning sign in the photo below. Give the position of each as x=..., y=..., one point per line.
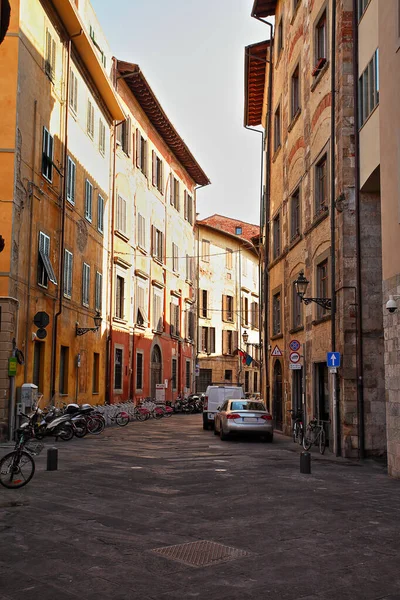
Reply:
x=276, y=352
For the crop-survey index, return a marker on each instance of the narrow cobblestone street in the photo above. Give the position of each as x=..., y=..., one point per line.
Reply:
x=89, y=530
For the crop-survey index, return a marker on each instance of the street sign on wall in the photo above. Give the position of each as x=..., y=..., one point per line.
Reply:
x=294, y=345
x=276, y=351
x=294, y=357
x=333, y=359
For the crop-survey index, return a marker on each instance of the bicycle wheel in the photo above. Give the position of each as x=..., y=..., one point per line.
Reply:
x=168, y=411
x=80, y=428
x=122, y=418
x=16, y=469
x=307, y=439
x=140, y=415
x=300, y=435
x=295, y=430
x=157, y=413
x=95, y=425
x=322, y=441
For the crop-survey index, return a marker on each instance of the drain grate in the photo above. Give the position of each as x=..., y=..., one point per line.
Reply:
x=201, y=554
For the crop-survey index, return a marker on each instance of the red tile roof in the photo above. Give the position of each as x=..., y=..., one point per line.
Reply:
x=229, y=225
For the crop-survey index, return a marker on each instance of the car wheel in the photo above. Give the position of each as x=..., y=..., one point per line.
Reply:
x=223, y=436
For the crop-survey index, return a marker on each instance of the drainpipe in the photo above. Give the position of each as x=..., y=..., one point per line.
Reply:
x=267, y=209
x=360, y=362
x=63, y=214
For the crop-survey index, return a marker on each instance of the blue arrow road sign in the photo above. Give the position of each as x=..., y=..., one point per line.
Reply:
x=333, y=359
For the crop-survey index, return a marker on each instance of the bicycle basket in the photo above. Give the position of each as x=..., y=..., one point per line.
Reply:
x=34, y=446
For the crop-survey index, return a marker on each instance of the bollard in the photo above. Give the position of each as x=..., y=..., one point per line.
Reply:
x=305, y=463
x=52, y=459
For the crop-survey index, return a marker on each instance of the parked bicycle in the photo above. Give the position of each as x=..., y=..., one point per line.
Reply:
x=298, y=430
x=314, y=435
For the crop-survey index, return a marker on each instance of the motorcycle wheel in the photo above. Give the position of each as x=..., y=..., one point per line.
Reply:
x=80, y=428
x=65, y=432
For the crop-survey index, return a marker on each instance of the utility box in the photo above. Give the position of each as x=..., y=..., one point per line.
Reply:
x=29, y=394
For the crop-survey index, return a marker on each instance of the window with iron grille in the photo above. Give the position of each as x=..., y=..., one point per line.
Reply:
x=321, y=186
x=368, y=89
x=71, y=180
x=158, y=305
x=157, y=172
x=88, y=200
x=174, y=374
x=120, y=221
x=141, y=221
x=139, y=370
x=276, y=314
x=204, y=304
x=47, y=155
x=141, y=152
x=277, y=128
x=119, y=297
x=90, y=120
x=157, y=249
x=187, y=375
x=174, y=193
x=118, y=368
x=73, y=91
x=276, y=228
x=102, y=137
x=295, y=92
x=67, y=284
x=297, y=309
x=98, y=293
x=100, y=213
x=45, y=269
x=295, y=214
x=322, y=286
x=50, y=56
x=85, y=284
x=205, y=251
x=175, y=258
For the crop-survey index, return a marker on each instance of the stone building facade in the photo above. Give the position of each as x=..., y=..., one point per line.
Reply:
x=315, y=226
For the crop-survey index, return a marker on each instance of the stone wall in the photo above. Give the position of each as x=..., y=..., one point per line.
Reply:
x=7, y=328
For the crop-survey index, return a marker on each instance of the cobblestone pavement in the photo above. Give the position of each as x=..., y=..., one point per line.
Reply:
x=90, y=529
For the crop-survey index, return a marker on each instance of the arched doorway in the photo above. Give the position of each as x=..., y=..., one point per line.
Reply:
x=155, y=369
x=277, y=396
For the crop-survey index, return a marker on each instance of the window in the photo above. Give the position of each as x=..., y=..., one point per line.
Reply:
x=238, y=231
x=189, y=322
x=280, y=36
x=229, y=254
x=174, y=193
x=45, y=269
x=297, y=309
x=228, y=375
x=141, y=231
x=90, y=120
x=175, y=258
x=245, y=310
x=102, y=137
x=67, y=285
x=96, y=373
x=175, y=317
x=50, y=56
x=368, y=89
x=276, y=314
x=277, y=129
x=296, y=3
x=189, y=268
x=98, y=292
x=157, y=244
x=362, y=5
x=141, y=301
x=295, y=214
x=204, y=304
x=295, y=93
x=120, y=217
x=229, y=341
x=321, y=186
x=322, y=286
x=321, y=46
x=187, y=375
x=85, y=284
x=158, y=305
x=141, y=152
x=120, y=297
x=71, y=180
x=73, y=91
x=254, y=315
x=64, y=359
x=118, y=365
x=255, y=382
x=88, y=200
x=139, y=371
x=100, y=213
x=124, y=134
x=157, y=172
x=276, y=228
x=188, y=207
x=47, y=155
x=174, y=374
x=205, y=250
x=227, y=309
x=207, y=340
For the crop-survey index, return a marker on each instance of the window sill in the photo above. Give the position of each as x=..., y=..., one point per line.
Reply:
x=295, y=240
x=70, y=204
x=158, y=261
x=157, y=331
x=295, y=12
x=296, y=329
x=365, y=122
x=276, y=336
x=142, y=250
x=141, y=327
x=317, y=78
x=95, y=393
x=317, y=220
x=276, y=153
x=189, y=281
x=119, y=320
x=121, y=235
x=294, y=120
x=320, y=320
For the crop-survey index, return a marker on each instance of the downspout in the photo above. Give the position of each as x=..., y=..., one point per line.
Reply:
x=360, y=362
x=336, y=406
x=267, y=210
x=64, y=194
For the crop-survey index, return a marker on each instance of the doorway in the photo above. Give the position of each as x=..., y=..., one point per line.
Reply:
x=297, y=389
x=277, y=395
x=321, y=402
x=155, y=369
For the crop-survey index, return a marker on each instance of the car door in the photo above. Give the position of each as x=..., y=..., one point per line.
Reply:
x=218, y=415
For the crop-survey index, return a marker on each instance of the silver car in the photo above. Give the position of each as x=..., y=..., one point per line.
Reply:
x=243, y=416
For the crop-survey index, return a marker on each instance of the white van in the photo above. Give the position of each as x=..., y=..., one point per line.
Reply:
x=215, y=397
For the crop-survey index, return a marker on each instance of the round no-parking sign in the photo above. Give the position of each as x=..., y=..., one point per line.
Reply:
x=294, y=345
x=294, y=357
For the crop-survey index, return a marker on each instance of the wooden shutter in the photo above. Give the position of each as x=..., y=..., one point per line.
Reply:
x=153, y=168
x=162, y=177
x=224, y=341
x=144, y=166
x=138, y=147
x=153, y=240
x=185, y=206
x=235, y=337
x=128, y=143
x=224, y=308
x=171, y=190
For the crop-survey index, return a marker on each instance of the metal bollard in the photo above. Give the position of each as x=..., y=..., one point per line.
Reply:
x=305, y=463
x=52, y=459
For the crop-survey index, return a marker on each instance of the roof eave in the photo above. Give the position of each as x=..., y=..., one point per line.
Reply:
x=263, y=8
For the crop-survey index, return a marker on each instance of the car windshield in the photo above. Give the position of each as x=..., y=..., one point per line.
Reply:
x=246, y=405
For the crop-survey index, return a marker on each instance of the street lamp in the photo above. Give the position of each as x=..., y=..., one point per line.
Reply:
x=301, y=284
x=245, y=337
x=82, y=330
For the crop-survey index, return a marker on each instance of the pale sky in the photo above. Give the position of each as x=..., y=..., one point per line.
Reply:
x=192, y=54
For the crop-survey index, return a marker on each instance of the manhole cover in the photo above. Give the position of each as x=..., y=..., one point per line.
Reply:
x=201, y=554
